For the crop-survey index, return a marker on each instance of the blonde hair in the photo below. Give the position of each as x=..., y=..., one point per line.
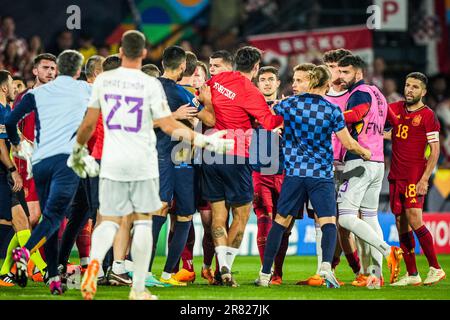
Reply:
x=319, y=76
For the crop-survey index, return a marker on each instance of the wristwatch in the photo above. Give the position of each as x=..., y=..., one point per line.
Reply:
x=12, y=169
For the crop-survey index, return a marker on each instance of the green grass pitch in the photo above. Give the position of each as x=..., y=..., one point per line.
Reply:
x=246, y=268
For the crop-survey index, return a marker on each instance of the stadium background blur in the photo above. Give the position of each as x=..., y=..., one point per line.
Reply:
x=413, y=39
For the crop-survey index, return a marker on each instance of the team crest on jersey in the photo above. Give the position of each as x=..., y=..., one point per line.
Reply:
x=416, y=121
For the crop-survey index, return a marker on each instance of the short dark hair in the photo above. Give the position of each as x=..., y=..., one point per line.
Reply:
x=151, y=70
x=246, y=58
x=268, y=69
x=4, y=76
x=69, y=62
x=173, y=57
x=335, y=55
x=304, y=67
x=18, y=78
x=111, y=62
x=92, y=64
x=352, y=60
x=191, y=64
x=133, y=42
x=225, y=55
x=43, y=56
x=419, y=76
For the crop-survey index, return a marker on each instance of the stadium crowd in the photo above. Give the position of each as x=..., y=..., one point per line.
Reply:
x=183, y=77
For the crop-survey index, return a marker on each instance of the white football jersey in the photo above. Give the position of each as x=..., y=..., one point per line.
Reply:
x=129, y=101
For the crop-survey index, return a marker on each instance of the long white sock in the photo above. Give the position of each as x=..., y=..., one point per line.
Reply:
x=371, y=217
x=318, y=246
x=230, y=257
x=102, y=239
x=221, y=253
x=349, y=220
x=141, y=251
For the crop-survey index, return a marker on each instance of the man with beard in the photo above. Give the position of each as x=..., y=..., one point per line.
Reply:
x=365, y=114
x=414, y=128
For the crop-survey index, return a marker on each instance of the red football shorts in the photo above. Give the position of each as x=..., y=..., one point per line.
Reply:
x=403, y=195
x=266, y=191
x=30, y=190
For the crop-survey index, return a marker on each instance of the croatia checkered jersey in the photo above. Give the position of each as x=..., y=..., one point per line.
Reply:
x=309, y=121
x=411, y=133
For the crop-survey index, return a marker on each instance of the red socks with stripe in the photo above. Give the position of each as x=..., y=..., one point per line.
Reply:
x=426, y=243
x=188, y=251
x=407, y=244
x=264, y=223
x=84, y=240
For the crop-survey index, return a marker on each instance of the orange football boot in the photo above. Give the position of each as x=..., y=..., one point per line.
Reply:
x=208, y=274
x=314, y=281
x=89, y=282
x=393, y=262
x=185, y=276
x=360, y=281
x=276, y=281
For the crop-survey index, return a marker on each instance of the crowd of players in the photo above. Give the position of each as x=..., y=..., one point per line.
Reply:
x=281, y=155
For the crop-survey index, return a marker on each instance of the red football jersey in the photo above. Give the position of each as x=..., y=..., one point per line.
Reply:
x=411, y=133
x=235, y=100
x=26, y=126
x=99, y=138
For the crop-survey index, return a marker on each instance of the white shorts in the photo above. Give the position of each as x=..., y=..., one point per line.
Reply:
x=361, y=193
x=119, y=198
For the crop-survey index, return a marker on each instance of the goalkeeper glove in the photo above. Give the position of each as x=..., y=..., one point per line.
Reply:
x=214, y=142
x=82, y=163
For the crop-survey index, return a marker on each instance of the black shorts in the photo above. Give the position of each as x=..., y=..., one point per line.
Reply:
x=230, y=181
x=10, y=199
x=177, y=182
x=296, y=190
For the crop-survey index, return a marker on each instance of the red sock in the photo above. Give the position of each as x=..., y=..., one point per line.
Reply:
x=42, y=252
x=335, y=262
x=353, y=261
x=188, y=251
x=208, y=249
x=426, y=242
x=84, y=240
x=279, y=258
x=264, y=224
x=407, y=244
x=61, y=230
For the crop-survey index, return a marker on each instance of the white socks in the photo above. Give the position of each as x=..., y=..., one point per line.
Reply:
x=232, y=256
x=364, y=254
x=318, y=246
x=102, y=239
x=226, y=256
x=141, y=251
x=350, y=221
x=372, y=220
x=221, y=253
x=118, y=267
x=84, y=261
